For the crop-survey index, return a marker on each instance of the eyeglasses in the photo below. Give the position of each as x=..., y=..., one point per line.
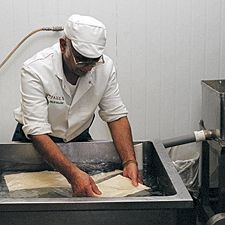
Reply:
x=90, y=62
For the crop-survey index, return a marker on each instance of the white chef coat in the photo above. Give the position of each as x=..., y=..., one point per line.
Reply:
x=47, y=106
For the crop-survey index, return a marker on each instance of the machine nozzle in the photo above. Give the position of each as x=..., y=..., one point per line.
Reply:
x=56, y=28
x=212, y=134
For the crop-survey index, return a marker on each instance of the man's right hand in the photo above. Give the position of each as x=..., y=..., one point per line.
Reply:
x=83, y=185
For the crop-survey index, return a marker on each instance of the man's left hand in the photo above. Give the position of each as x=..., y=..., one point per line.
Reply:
x=131, y=171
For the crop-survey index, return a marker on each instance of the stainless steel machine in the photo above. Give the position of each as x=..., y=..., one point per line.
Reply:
x=213, y=153
x=168, y=202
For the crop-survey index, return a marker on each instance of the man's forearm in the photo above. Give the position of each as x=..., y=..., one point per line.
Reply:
x=51, y=152
x=82, y=184
x=122, y=137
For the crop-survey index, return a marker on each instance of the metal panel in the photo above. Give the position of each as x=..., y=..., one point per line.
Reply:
x=213, y=106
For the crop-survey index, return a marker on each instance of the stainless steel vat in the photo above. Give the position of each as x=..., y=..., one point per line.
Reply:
x=174, y=207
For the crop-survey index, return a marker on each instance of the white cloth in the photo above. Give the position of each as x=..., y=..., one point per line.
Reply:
x=44, y=108
x=45, y=179
x=116, y=186
x=119, y=186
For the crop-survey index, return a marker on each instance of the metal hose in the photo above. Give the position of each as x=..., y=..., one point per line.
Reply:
x=57, y=28
x=217, y=219
x=196, y=136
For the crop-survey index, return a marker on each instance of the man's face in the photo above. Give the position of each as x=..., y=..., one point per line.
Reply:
x=77, y=63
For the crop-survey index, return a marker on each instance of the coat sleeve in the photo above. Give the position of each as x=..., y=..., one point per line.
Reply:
x=111, y=105
x=34, y=104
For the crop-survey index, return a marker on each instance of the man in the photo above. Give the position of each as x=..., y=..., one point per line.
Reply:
x=61, y=88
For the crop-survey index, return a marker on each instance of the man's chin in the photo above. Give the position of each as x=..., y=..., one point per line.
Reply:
x=80, y=73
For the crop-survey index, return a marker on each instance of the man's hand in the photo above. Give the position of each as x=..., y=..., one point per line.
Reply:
x=130, y=170
x=83, y=185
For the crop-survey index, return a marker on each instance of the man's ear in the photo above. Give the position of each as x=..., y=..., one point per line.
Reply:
x=62, y=45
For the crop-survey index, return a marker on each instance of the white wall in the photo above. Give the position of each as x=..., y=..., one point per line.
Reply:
x=162, y=50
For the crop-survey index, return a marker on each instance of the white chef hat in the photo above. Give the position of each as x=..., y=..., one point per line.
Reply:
x=88, y=35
